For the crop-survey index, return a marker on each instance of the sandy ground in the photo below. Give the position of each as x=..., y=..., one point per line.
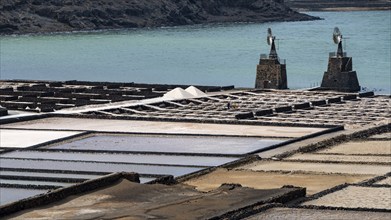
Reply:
x=163, y=127
x=27, y=138
x=363, y=147
x=341, y=158
x=311, y=214
x=386, y=181
x=317, y=167
x=356, y=197
x=269, y=180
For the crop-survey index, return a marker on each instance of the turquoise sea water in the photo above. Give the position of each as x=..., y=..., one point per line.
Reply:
x=218, y=54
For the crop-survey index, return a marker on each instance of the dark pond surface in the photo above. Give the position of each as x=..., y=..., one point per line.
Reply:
x=9, y=195
x=96, y=167
x=123, y=158
x=175, y=144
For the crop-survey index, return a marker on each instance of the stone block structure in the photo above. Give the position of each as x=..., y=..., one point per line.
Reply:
x=271, y=74
x=340, y=76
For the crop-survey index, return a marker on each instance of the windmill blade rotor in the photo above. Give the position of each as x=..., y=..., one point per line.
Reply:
x=337, y=36
x=269, y=38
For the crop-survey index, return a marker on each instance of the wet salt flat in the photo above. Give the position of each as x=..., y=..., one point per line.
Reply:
x=177, y=144
x=50, y=175
x=123, y=158
x=356, y=197
x=9, y=195
x=158, y=127
x=35, y=183
x=96, y=167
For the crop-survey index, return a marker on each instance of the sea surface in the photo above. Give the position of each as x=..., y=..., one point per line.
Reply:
x=214, y=54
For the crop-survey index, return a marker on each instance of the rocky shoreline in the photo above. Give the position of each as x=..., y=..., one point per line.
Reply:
x=43, y=16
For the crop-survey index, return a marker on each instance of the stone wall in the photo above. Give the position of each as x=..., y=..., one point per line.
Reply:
x=271, y=75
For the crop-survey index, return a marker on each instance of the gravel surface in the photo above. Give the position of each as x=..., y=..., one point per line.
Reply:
x=356, y=197
x=310, y=214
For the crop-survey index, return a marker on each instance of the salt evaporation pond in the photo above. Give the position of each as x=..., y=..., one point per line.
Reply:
x=9, y=195
x=96, y=167
x=170, y=144
x=122, y=158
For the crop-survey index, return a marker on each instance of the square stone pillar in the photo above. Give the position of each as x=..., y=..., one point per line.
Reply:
x=340, y=76
x=271, y=74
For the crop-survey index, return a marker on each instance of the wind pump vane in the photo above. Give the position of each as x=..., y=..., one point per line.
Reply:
x=270, y=41
x=337, y=37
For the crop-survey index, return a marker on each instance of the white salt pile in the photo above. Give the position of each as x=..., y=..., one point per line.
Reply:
x=177, y=93
x=194, y=91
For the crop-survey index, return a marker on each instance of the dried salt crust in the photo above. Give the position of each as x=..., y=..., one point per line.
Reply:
x=341, y=158
x=310, y=214
x=317, y=167
x=363, y=147
x=26, y=138
x=356, y=197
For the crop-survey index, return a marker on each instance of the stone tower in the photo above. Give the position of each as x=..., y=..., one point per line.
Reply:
x=271, y=74
x=340, y=75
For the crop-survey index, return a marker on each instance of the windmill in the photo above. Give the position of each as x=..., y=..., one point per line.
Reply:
x=271, y=72
x=340, y=75
x=337, y=38
x=270, y=41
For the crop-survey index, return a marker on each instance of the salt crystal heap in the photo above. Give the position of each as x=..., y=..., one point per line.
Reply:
x=194, y=91
x=179, y=93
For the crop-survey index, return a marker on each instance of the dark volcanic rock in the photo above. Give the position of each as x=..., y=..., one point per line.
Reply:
x=32, y=16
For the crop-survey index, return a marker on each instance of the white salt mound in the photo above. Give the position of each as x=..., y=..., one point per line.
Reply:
x=177, y=93
x=194, y=91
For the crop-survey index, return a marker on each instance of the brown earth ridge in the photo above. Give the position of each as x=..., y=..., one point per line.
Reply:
x=40, y=16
